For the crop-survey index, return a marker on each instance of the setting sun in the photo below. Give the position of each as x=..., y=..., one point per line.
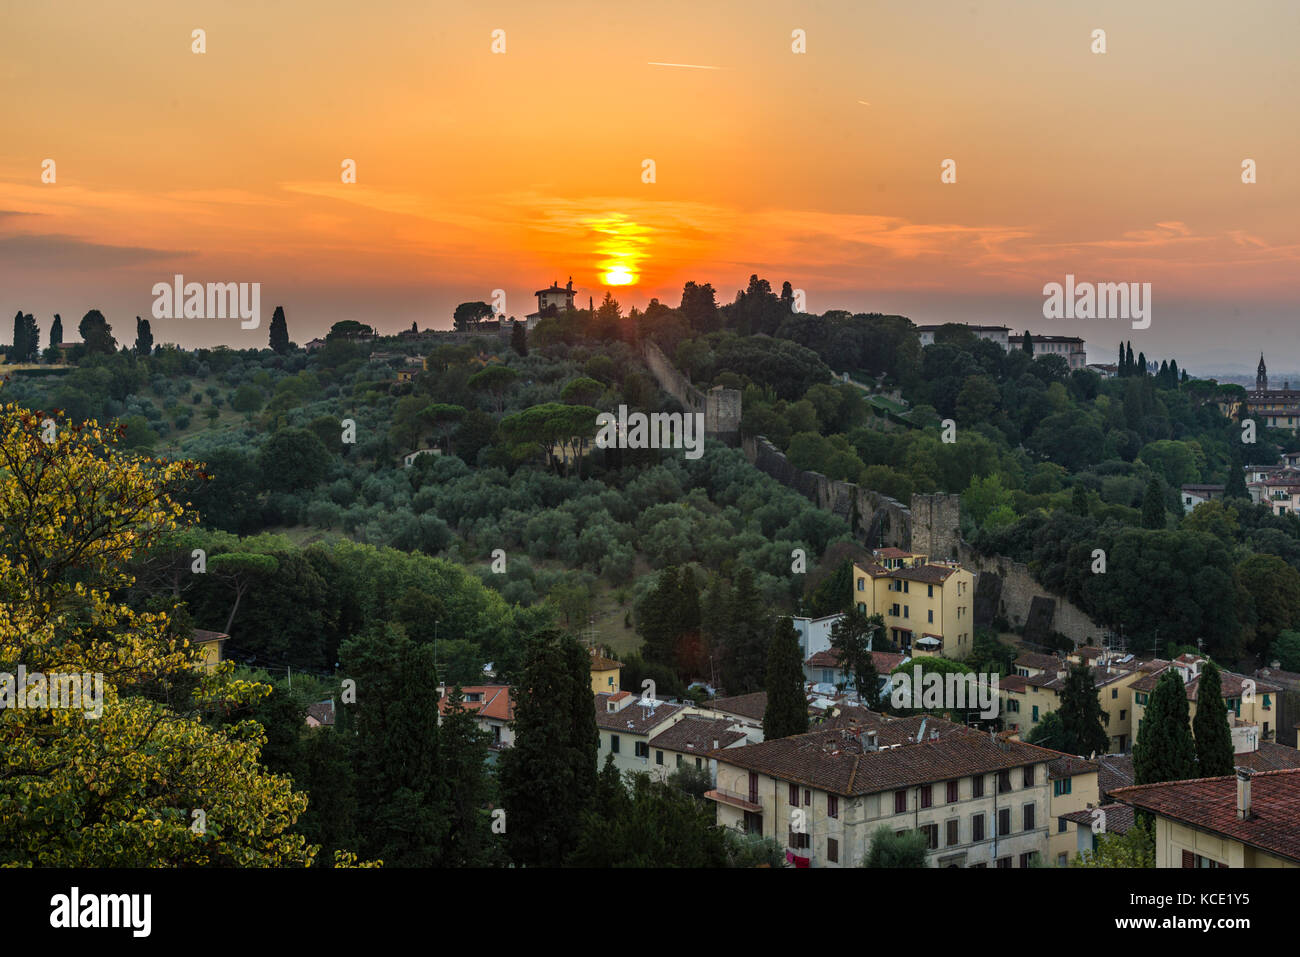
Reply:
x=619, y=276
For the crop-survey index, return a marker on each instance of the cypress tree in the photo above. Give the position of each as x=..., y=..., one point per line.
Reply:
x=1173, y=374
x=1164, y=750
x=787, y=708
x=1153, y=505
x=19, y=350
x=143, y=337
x=548, y=779
x=1129, y=362
x=742, y=659
x=659, y=617
x=519, y=339
x=1236, y=485
x=1028, y=344
x=279, y=338
x=1081, y=717
x=1214, y=751
x=31, y=338
x=463, y=752
x=688, y=616
x=56, y=331
x=1121, y=367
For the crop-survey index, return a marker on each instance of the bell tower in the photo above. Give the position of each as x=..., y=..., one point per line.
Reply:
x=1261, y=376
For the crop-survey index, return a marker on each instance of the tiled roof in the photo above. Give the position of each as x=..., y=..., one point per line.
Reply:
x=1116, y=771
x=1068, y=765
x=892, y=552
x=601, y=663
x=930, y=574
x=636, y=718
x=202, y=634
x=322, y=712
x=496, y=702
x=747, y=705
x=1012, y=683
x=825, y=659
x=1271, y=756
x=835, y=760
x=1210, y=804
x=1233, y=684
x=889, y=731
x=697, y=734
x=1089, y=652
x=1041, y=662
x=1119, y=817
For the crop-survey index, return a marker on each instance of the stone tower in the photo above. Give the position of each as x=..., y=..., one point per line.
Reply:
x=1261, y=376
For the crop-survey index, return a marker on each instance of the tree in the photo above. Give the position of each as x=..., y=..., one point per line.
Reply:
x=851, y=639
x=1164, y=750
x=1129, y=362
x=349, y=329
x=18, y=352
x=741, y=657
x=463, y=752
x=247, y=399
x=56, y=331
x=896, y=850
x=519, y=339
x=700, y=307
x=1028, y=343
x=400, y=794
x=240, y=570
x=116, y=790
x=1134, y=848
x=787, y=708
x=658, y=825
x=549, y=776
x=1214, y=751
x=1287, y=650
x=1049, y=732
x=470, y=314
x=1153, y=506
x=96, y=333
x=293, y=459
x=1274, y=588
x=1236, y=485
x=445, y=419
x=495, y=381
x=582, y=391
x=143, y=337
x=1082, y=728
x=279, y=338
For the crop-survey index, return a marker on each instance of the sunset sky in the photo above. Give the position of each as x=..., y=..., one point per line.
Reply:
x=478, y=171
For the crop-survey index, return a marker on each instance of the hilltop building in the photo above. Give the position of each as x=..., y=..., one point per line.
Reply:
x=1274, y=408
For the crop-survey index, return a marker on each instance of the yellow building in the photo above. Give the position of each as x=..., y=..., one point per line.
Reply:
x=1073, y=788
x=1252, y=703
x=980, y=800
x=605, y=674
x=1243, y=820
x=1034, y=691
x=212, y=644
x=687, y=744
x=928, y=607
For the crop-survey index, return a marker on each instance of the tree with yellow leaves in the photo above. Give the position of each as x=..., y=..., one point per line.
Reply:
x=145, y=783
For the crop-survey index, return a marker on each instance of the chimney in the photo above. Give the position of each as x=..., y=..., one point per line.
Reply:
x=716, y=742
x=869, y=740
x=1243, y=793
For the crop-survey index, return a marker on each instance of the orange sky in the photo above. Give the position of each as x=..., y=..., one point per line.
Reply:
x=479, y=171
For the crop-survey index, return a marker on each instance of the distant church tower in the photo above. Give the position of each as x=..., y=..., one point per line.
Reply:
x=1261, y=376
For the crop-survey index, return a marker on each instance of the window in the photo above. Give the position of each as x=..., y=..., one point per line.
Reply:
x=862, y=607
x=929, y=591
x=1062, y=860
x=1035, y=718
x=1004, y=863
x=952, y=833
x=1004, y=822
x=1004, y=782
x=1140, y=698
x=905, y=611
x=1029, y=775
x=799, y=841
x=807, y=798
x=794, y=795
x=930, y=613
x=1013, y=705
x=1114, y=693
x=931, y=832
x=699, y=762
x=643, y=749
x=613, y=744
x=977, y=827
x=900, y=802
x=952, y=792
x=905, y=590
x=980, y=864
x=1062, y=787
x=927, y=797
x=1062, y=825
x=862, y=584
x=1029, y=817
x=1123, y=713
x=832, y=805
x=832, y=850
x=753, y=787
x=1027, y=860
x=679, y=760
x=977, y=786
x=611, y=681
x=893, y=609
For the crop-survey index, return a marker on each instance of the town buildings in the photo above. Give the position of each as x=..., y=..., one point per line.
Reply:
x=927, y=606
x=1274, y=408
x=1070, y=348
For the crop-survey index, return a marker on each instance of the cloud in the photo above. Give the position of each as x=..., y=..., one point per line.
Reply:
x=71, y=254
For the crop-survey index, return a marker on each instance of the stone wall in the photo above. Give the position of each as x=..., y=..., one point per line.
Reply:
x=882, y=521
x=1019, y=589
x=721, y=406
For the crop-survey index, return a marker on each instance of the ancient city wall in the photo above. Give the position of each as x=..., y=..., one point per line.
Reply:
x=721, y=406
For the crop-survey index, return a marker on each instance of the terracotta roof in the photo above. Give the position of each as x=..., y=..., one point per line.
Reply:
x=496, y=701
x=889, y=730
x=1233, y=684
x=1089, y=652
x=636, y=718
x=930, y=574
x=1014, y=683
x=1068, y=765
x=600, y=663
x=892, y=552
x=1115, y=771
x=1119, y=817
x=202, y=634
x=748, y=705
x=885, y=661
x=835, y=760
x=1040, y=662
x=1210, y=804
x=322, y=712
x=1271, y=756
x=825, y=659
x=698, y=734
